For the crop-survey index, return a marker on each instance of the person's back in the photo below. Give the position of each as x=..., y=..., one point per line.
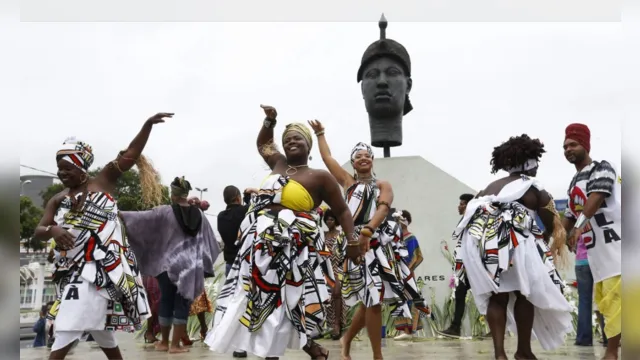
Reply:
x=229, y=221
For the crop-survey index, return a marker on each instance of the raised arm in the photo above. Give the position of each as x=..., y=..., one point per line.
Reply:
x=127, y=158
x=344, y=178
x=266, y=146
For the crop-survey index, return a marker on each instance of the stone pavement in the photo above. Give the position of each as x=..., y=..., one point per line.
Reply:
x=439, y=349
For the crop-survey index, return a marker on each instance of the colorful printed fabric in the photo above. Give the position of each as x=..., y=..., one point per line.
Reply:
x=201, y=304
x=100, y=274
x=282, y=266
x=413, y=260
x=332, y=320
x=383, y=268
x=78, y=153
x=153, y=292
x=498, y=226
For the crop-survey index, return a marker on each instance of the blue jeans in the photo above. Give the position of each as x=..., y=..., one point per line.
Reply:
x=173, y=309
x=584, y=333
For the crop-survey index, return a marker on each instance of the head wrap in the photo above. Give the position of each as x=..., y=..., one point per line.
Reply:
x=400, y=218
x=77, y=153
x=528, y=165
x=360, y=146
x=391, y=49
x=301, y=129
x=579, y=133
x=180, y=188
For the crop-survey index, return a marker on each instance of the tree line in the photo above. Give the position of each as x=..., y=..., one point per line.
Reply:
x=128, y=193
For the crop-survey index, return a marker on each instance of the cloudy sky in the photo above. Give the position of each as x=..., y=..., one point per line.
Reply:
x=474, y=85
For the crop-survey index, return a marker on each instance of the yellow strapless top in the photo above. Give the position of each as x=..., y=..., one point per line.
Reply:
x=296, y=197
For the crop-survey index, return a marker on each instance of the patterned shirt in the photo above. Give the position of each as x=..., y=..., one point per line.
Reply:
x=603, y=234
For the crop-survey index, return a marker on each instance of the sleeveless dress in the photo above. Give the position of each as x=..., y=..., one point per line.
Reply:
x=274, y=293
x=99, y=284
x=500, y=250
x=383, y=277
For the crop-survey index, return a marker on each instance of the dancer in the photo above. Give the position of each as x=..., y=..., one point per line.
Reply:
x=178, y=247
x=409, y=326
x=273, y=296
x=380, y=278
x=462, y=285
x=153, y=294
x=336, y=310
x=594, y=212
x=500, y=253
x=97, y=279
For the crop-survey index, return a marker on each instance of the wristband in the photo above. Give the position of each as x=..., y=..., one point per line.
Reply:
x=581, y=222
x=269, y=123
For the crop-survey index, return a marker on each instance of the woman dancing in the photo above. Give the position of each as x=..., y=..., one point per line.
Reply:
x=177, y=246
x=499, y=250
x=273, y=296
x=336, y=310
x=99, y=287
x=368, y=283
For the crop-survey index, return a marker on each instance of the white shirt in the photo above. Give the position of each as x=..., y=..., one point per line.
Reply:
x=603, y=234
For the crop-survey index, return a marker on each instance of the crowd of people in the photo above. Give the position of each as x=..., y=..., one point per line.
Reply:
x=287, y=279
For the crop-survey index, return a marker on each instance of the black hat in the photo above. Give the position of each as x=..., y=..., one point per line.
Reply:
x=387, y=48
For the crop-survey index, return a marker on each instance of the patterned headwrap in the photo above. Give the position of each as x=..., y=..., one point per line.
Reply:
x=360, y=146
x=180, y=187
x=400, y=218
x=77, y=153
x=301, y=129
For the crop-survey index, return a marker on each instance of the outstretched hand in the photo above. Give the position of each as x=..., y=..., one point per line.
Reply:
x=159, y=118
x=316, y=125
x=269, y=111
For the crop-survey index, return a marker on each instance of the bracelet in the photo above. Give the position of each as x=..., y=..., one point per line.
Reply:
x=381, y=203
x=353, y=243
x=321, y=132
x=366, y=231
x=581, y=222
x=269, y=123
x=370, y=228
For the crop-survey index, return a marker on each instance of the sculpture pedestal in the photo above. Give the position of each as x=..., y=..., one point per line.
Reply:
x=431, y=196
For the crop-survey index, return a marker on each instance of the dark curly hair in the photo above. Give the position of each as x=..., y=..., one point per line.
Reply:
x=515, y=152
x=329, y=214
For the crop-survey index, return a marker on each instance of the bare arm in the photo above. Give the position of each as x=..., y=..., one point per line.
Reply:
x=386, y=196
x=344, y=178
x=41, y=232
x=126, y=159
x=266, y=146
x=332, y=195
x=568, y=223
x=546, y=215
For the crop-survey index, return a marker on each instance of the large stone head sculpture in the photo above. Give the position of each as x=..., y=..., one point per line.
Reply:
x=385, y=76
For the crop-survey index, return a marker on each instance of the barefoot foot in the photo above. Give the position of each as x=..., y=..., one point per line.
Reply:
x=161, y=346
x=346, y=349
x=178, y=350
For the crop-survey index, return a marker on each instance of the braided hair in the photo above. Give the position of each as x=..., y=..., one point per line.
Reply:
x=515, y=152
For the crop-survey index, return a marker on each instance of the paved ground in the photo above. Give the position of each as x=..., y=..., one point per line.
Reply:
x=427, y=348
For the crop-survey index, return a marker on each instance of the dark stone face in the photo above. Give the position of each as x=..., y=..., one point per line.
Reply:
x=384, y=88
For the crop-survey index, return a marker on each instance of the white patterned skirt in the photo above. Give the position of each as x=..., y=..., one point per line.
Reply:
x=274, y=293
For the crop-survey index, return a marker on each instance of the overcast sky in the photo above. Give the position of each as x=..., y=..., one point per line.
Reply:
x=474, y=85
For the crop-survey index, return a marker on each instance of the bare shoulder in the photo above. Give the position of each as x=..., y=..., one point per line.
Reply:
x=57, y=198
x=383, y=184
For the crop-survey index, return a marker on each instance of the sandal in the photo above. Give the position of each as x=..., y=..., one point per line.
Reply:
x=315, y=351
x=149, y=338
x=203, y=333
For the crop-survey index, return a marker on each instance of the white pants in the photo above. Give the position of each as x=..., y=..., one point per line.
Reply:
x=104, y=338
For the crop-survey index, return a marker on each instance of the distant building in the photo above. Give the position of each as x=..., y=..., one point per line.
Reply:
x=32, y=185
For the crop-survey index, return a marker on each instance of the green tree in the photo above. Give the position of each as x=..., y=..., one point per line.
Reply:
x=29, y=218
x=50, y=192
x=128, y=191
